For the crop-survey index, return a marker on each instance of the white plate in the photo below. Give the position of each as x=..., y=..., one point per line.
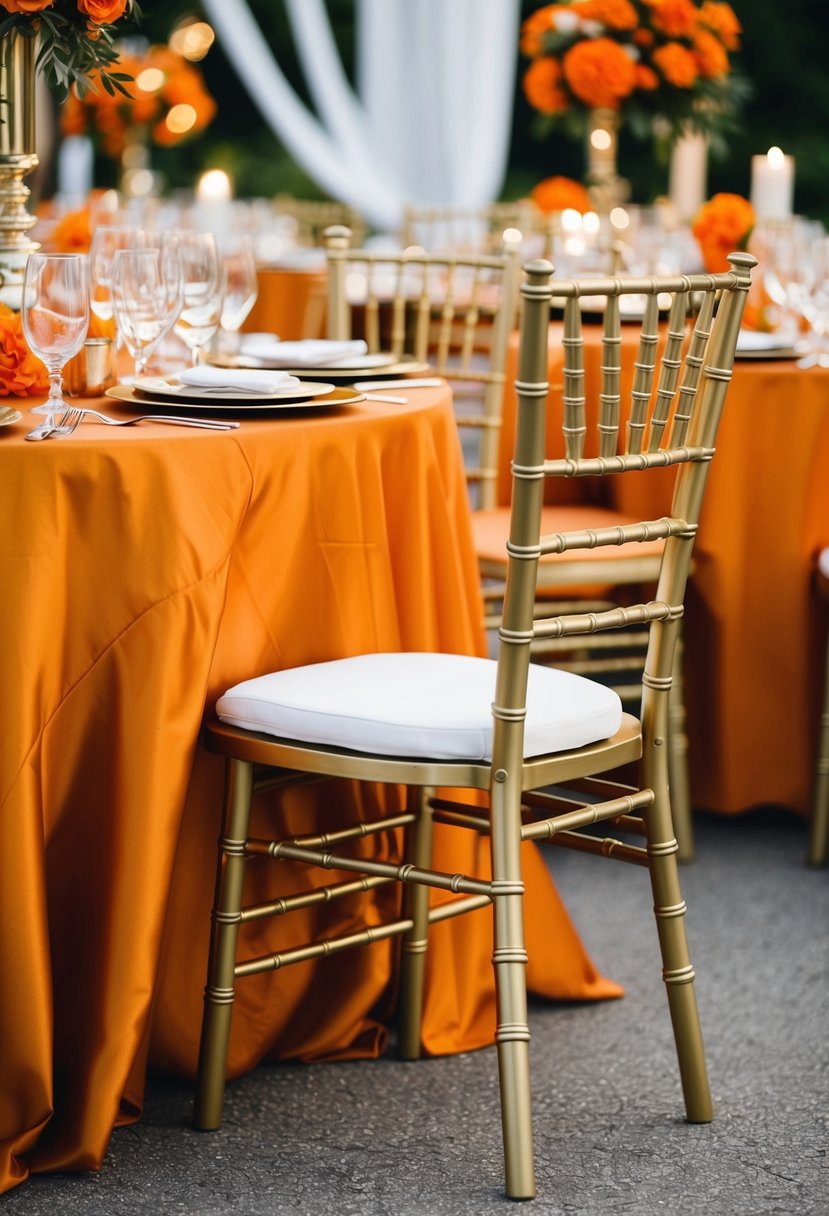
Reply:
x=352, y=369
x=8, y=415
x=169, y=388
x=332, y=397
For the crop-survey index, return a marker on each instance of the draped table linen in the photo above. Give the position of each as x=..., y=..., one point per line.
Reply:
x=144, y=571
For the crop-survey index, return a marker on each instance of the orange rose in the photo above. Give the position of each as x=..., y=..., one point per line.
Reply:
x=21, y=373
x=102, y=12
x=613, y=14
x=599, y=72
x=542, y=86
x=722, y=225
x=710, y=54
x=559, y=193
x=676, y=18
x=722, y=21
x=26, y=6
x=677, y=64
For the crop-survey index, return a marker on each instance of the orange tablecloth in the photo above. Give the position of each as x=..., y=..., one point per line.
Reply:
x=752, y=676
x=291, y=303
x=143, y=572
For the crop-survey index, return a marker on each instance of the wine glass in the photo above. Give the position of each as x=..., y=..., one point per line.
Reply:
x=55, y=311
x=106, y=241
x=241, y=285
x=201, y=290
x=146, y=288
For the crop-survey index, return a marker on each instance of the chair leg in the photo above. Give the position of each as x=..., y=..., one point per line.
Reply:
x=677, y=971
x=218, y=994
x=510, y=963
x=415, y=942
x=678, y=761
x=819, y=824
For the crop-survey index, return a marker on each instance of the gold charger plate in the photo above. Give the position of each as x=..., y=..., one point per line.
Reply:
x=170, y=388
x=395, y=369
x=8, y=415
x=334, y=397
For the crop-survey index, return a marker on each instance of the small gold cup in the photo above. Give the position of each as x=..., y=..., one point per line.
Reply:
x=91, y=372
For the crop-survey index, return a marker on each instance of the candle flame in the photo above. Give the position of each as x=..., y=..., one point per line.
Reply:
x=776, y=158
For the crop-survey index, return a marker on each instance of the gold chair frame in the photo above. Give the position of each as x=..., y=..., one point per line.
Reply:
x=521, y=805
x=455, y=311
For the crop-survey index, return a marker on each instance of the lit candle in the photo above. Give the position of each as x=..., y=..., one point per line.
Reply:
x=772, y=185
x=213, y=195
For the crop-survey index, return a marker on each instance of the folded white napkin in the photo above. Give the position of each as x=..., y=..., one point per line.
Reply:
x=223, y=380
x=752, y=339
x=309, y=352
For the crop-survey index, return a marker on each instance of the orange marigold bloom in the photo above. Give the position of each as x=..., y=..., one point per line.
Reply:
x=26, y=6
x=722, y=225
x=102, y=12
x=614, y=14
x=599, y=72
x=643, y=38
x=559, y=193
x=722, y=21
x=71, y=234
x=542, y=86
x=677, y=64
x=646, y=78
x=534, y=29
x=676, y=18
x=21, y=373
x=710, y=54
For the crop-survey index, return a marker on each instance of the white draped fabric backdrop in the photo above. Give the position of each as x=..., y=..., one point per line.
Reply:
x=430, y=120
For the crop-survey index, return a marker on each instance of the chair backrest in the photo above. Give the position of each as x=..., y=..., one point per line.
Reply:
x=313, y=216
x=671, y=420
x=469, y=229
x=455, y=312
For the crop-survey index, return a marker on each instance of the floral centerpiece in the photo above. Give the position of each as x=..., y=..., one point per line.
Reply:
x=722, y=225
x=664, y=66
x=75, y=39
x=561, y=194
x=168, y=102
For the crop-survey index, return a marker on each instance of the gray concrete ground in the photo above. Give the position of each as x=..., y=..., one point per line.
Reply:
x=383, y=1138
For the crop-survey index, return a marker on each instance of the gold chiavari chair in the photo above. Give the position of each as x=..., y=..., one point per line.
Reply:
x=506, y=728
x=455, y=311
x=470, y=229
x=819, y=824
x=313, y=216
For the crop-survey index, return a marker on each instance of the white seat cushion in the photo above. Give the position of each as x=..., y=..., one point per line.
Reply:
x=435, y=705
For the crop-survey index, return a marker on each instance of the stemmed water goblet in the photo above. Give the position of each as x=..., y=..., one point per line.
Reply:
x=146, y=287
x=240, y=283
x=201, y=290
x=55, y=313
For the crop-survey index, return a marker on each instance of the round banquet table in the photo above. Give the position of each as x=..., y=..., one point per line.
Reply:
x=752, y=631
x=144, y=571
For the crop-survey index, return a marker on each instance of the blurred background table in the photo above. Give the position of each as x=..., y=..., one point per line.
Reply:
x=145, y=571
x=752, y=671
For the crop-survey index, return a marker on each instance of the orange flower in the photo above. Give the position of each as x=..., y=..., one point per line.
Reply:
x=21, y=373
x=534, y=29
x=559, y=193
x=599, y=72
x=643, y=38
x=676, y=18
x=710, y=54
x=646, y=78
x=722, y=225
x=613, y=14
x=542, y=86
x=721, y=20
x=102, y=12
x=71, y=234
x=26, y=6
x=677, y=64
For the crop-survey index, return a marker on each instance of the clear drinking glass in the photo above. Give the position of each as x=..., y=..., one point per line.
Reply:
x=55, y=311
x=106, y=241
x=146, y=289
x=241, y=285
x=201, y=290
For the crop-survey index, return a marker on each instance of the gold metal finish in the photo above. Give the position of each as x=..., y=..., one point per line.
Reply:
x=17, y=160
x=819, y=824
x=454, y=310
x=519, y=807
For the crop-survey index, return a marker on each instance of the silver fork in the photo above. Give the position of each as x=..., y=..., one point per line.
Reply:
x=76, y=415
